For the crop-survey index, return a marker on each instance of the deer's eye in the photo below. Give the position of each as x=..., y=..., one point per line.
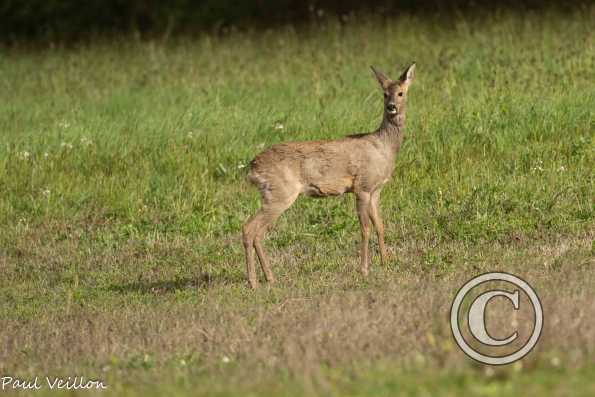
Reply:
x=385, y=95
x=400, y=94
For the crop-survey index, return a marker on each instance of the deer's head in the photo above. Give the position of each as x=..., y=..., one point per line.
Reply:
x=395, y=92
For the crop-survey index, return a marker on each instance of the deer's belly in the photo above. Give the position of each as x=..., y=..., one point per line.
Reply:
x=330, y=188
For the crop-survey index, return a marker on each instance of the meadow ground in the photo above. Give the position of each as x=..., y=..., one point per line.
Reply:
x=122, y=194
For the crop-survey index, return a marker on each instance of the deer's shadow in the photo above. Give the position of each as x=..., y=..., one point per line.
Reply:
x=203, y=281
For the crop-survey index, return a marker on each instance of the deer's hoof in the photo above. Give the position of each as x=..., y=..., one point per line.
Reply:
x=384, y=259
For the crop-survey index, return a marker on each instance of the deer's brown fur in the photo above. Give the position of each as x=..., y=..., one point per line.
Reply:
x=359, y=164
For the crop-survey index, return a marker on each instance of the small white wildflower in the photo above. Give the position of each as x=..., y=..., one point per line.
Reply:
x=260, y=145
x=419, y=359
x=538, y=167
x=66, y=145
x=489, y=372
x=46, y=192
x=64, y=124
x=555, y=361
x=46, y=155
x=240, y=166
x=86, y=141
x=190, y=134
x=225, y=359
x=279, y=126
x=561, y=169
x=24, y=155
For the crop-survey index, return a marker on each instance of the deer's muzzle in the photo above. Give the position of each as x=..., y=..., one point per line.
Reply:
x=391, y=108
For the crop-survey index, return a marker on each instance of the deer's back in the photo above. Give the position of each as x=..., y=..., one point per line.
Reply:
x=323, y=168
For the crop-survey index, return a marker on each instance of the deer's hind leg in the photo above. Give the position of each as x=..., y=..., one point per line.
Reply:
x=271, y=212
x=248, y=234
x=274, y=203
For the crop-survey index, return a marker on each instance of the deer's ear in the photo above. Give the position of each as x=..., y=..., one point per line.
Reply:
x=408, y=75
x=382, y=79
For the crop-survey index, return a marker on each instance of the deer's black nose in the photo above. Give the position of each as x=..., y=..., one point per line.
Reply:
x=391, y=107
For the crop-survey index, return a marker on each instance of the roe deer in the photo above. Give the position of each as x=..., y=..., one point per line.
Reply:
x=359, y=164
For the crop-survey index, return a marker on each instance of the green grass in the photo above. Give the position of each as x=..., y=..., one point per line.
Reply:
x=122, y=194
x=377, y=381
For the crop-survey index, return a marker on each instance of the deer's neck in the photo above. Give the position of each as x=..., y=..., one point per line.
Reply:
x=391, y=131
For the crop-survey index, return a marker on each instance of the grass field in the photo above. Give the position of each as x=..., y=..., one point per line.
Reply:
x=122, y=194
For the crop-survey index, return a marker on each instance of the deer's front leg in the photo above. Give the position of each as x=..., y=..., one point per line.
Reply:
x=362, y=206
x=378, y=224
